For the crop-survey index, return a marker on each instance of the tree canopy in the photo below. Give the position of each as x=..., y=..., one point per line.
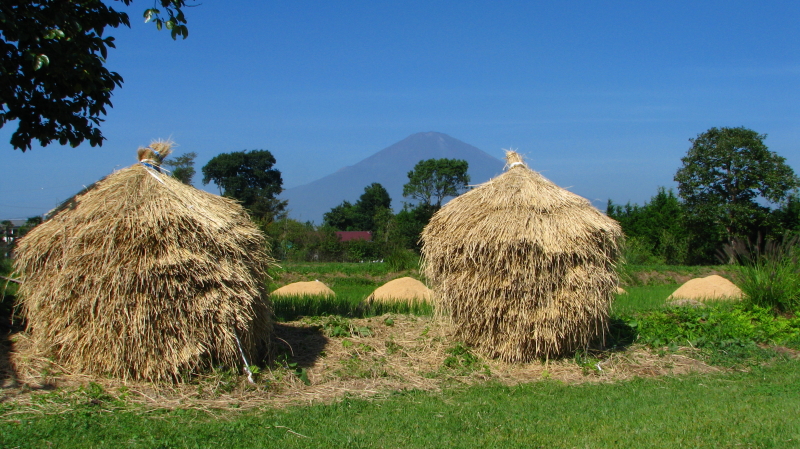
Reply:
x=365, y=215
x=433, y=180
x=727, y=178
x=182, y=167
x=654, y=230
x=53, y=79
x=248, y=176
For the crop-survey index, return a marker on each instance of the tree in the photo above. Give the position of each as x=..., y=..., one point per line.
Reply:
x=726, y=179
x=53, y=79
x=182, y=167
x=248, y=177
x=361, y=216
x=339, y=217
x=433, y=180
x=655, y=231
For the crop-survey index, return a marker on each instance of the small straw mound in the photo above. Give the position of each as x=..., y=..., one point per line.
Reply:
x=297, y=289
x=143, y=277
x=402, y=290
x=710, y=288
x=523, y=268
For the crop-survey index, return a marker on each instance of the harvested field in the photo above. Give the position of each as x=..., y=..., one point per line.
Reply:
x=380, y=355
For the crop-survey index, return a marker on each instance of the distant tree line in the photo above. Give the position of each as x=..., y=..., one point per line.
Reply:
x=430, y=183
x=730, y=187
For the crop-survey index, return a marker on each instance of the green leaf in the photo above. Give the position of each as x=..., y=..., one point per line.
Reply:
x=40, y=61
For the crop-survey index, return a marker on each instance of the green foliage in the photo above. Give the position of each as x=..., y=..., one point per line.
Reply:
x=654, y=231
x=182, y=167
x=726, y=177
x=729, y=333
x=292, y=240
x=408, y=225
x=367, y=214
x=769, y=272
x=402, y=259
x=248, y=177
x=461, y=361
x=433, y=180
x=53, y=79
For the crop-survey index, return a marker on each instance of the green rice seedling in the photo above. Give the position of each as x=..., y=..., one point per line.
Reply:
x=641, y=299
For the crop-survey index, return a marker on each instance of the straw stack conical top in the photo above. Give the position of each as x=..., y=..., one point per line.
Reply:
x=143, y=277
x=524, y=268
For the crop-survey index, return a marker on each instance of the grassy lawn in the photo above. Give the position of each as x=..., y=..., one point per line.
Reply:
x=758, y=408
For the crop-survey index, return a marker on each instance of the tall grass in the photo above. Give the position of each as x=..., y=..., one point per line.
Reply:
x=769, y=272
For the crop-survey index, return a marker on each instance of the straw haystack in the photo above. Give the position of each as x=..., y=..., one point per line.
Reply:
x=296, y=289
x=710, y=288
x=405, y=289
x=143, y=277
x=523, y=268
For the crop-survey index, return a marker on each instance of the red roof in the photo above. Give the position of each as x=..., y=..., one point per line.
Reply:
x=346, y=236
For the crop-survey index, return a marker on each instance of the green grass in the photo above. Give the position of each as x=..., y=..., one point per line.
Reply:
x=757, y=409
x=642, y=298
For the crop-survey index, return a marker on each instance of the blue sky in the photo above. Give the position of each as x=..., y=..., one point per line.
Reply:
x=601, y=97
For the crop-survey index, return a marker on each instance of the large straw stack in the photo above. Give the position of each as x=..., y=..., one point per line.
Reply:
x=144, y=277
x=524, y=268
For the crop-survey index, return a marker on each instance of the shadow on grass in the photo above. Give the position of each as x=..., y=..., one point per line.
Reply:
x=620, y=335
x=8, y=376
x=303, y=344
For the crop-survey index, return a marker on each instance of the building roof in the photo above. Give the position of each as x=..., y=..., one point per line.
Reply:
x=346, y=236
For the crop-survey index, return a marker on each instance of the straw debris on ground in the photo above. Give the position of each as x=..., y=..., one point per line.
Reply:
x=523, y=268
x=410, y=353
x=143, y=277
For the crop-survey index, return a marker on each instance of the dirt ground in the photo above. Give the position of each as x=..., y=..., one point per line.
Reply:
x=380, y=355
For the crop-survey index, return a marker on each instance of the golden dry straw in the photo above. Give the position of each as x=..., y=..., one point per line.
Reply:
x=402, y=290
x=297, y=289
x=143, y=277
x=523, y=268
x=712, y=288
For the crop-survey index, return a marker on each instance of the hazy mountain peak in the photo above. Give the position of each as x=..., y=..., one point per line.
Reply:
x=389, y=167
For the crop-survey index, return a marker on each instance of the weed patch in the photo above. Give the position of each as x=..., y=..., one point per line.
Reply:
x=728, y=334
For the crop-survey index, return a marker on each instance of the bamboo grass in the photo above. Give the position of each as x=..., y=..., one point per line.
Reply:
x=143, y=277
x=523, y=268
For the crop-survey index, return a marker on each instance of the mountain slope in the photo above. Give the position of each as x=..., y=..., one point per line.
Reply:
x=389, y=167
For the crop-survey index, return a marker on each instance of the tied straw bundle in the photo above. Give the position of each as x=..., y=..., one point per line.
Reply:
x=143, y=277
x=523, y=268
